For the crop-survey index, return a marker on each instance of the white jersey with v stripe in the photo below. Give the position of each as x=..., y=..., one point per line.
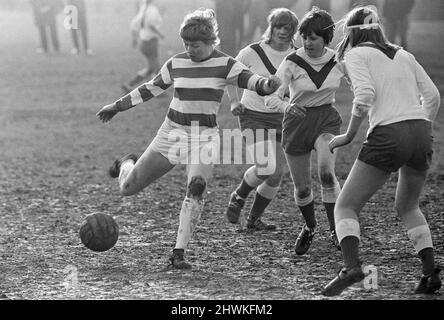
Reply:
x=312, y=81
x=251, y=59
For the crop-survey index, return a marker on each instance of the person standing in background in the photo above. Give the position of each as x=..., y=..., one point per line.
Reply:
x=145, y=33
x=81, y=27
x=45, y=14
x=396, y=15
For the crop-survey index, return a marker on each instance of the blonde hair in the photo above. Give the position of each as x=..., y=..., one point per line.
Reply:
x=200, y=25
x=279, y=17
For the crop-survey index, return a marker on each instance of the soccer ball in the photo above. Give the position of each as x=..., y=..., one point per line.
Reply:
x=99, y=232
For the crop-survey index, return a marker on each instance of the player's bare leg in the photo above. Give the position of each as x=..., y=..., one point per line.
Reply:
x=300, y=169
x=135, y=176
x=363, y=181
x=330, y=187
x=192, y=206
x=410, y=185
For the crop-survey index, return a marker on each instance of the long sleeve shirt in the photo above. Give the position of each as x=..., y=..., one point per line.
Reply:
x=312, y=81
x=198, y=87
x=394, y=88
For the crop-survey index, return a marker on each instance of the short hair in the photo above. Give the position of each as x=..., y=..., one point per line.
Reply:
x=371, y=30
x=279, y=17
x=319, y=22
x=200, y=25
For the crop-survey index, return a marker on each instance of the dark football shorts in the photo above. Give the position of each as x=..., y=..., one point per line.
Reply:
x=150, y=48
x=299, y=135
x=406, y=143
x=255, y=120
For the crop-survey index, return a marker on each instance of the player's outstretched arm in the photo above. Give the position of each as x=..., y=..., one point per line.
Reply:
x=107, y=112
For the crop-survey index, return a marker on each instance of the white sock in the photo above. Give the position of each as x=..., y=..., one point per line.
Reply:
x=421, y=237
x=251, y=178
x=125, y=169
x=347, y=227
x=189, y=218
x=330, y=195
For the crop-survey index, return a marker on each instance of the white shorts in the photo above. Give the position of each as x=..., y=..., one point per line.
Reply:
x=187, y=144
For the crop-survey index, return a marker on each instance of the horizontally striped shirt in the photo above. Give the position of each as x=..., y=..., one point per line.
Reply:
x=198, y=87
x=312, y=81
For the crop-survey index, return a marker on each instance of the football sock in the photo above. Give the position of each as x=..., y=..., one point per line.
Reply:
x=306, y=205
x=264, y=195
x=350, y=251
x=309, y=214
x=348, y=232
x=180, y=252
x=188, y=219
x=249, y=182
x=422, y=242
x=244, y=189
x=330, y=209
x=258, y=208
x=329, y=195
x=125, y=169
x=428, y=260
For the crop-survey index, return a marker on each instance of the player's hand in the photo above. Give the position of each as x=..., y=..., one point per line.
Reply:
x=338, y=141
x=237, y=108
x=273, y=83
x=107, y=112
x=295, y=110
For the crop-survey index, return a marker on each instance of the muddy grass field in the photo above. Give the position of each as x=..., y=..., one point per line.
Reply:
x=54, y=156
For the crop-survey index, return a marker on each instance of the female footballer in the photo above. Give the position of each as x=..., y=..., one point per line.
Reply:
x=263, y=58
x=189, y=133
x=402, y=102
x=310, y=119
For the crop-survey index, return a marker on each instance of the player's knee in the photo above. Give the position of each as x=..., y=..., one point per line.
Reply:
x=303, y=193
x=327, y=177
x=196, y=187
x=275, y=178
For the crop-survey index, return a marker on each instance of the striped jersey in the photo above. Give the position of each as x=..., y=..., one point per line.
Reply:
x=312, y=81
x=198, y=87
